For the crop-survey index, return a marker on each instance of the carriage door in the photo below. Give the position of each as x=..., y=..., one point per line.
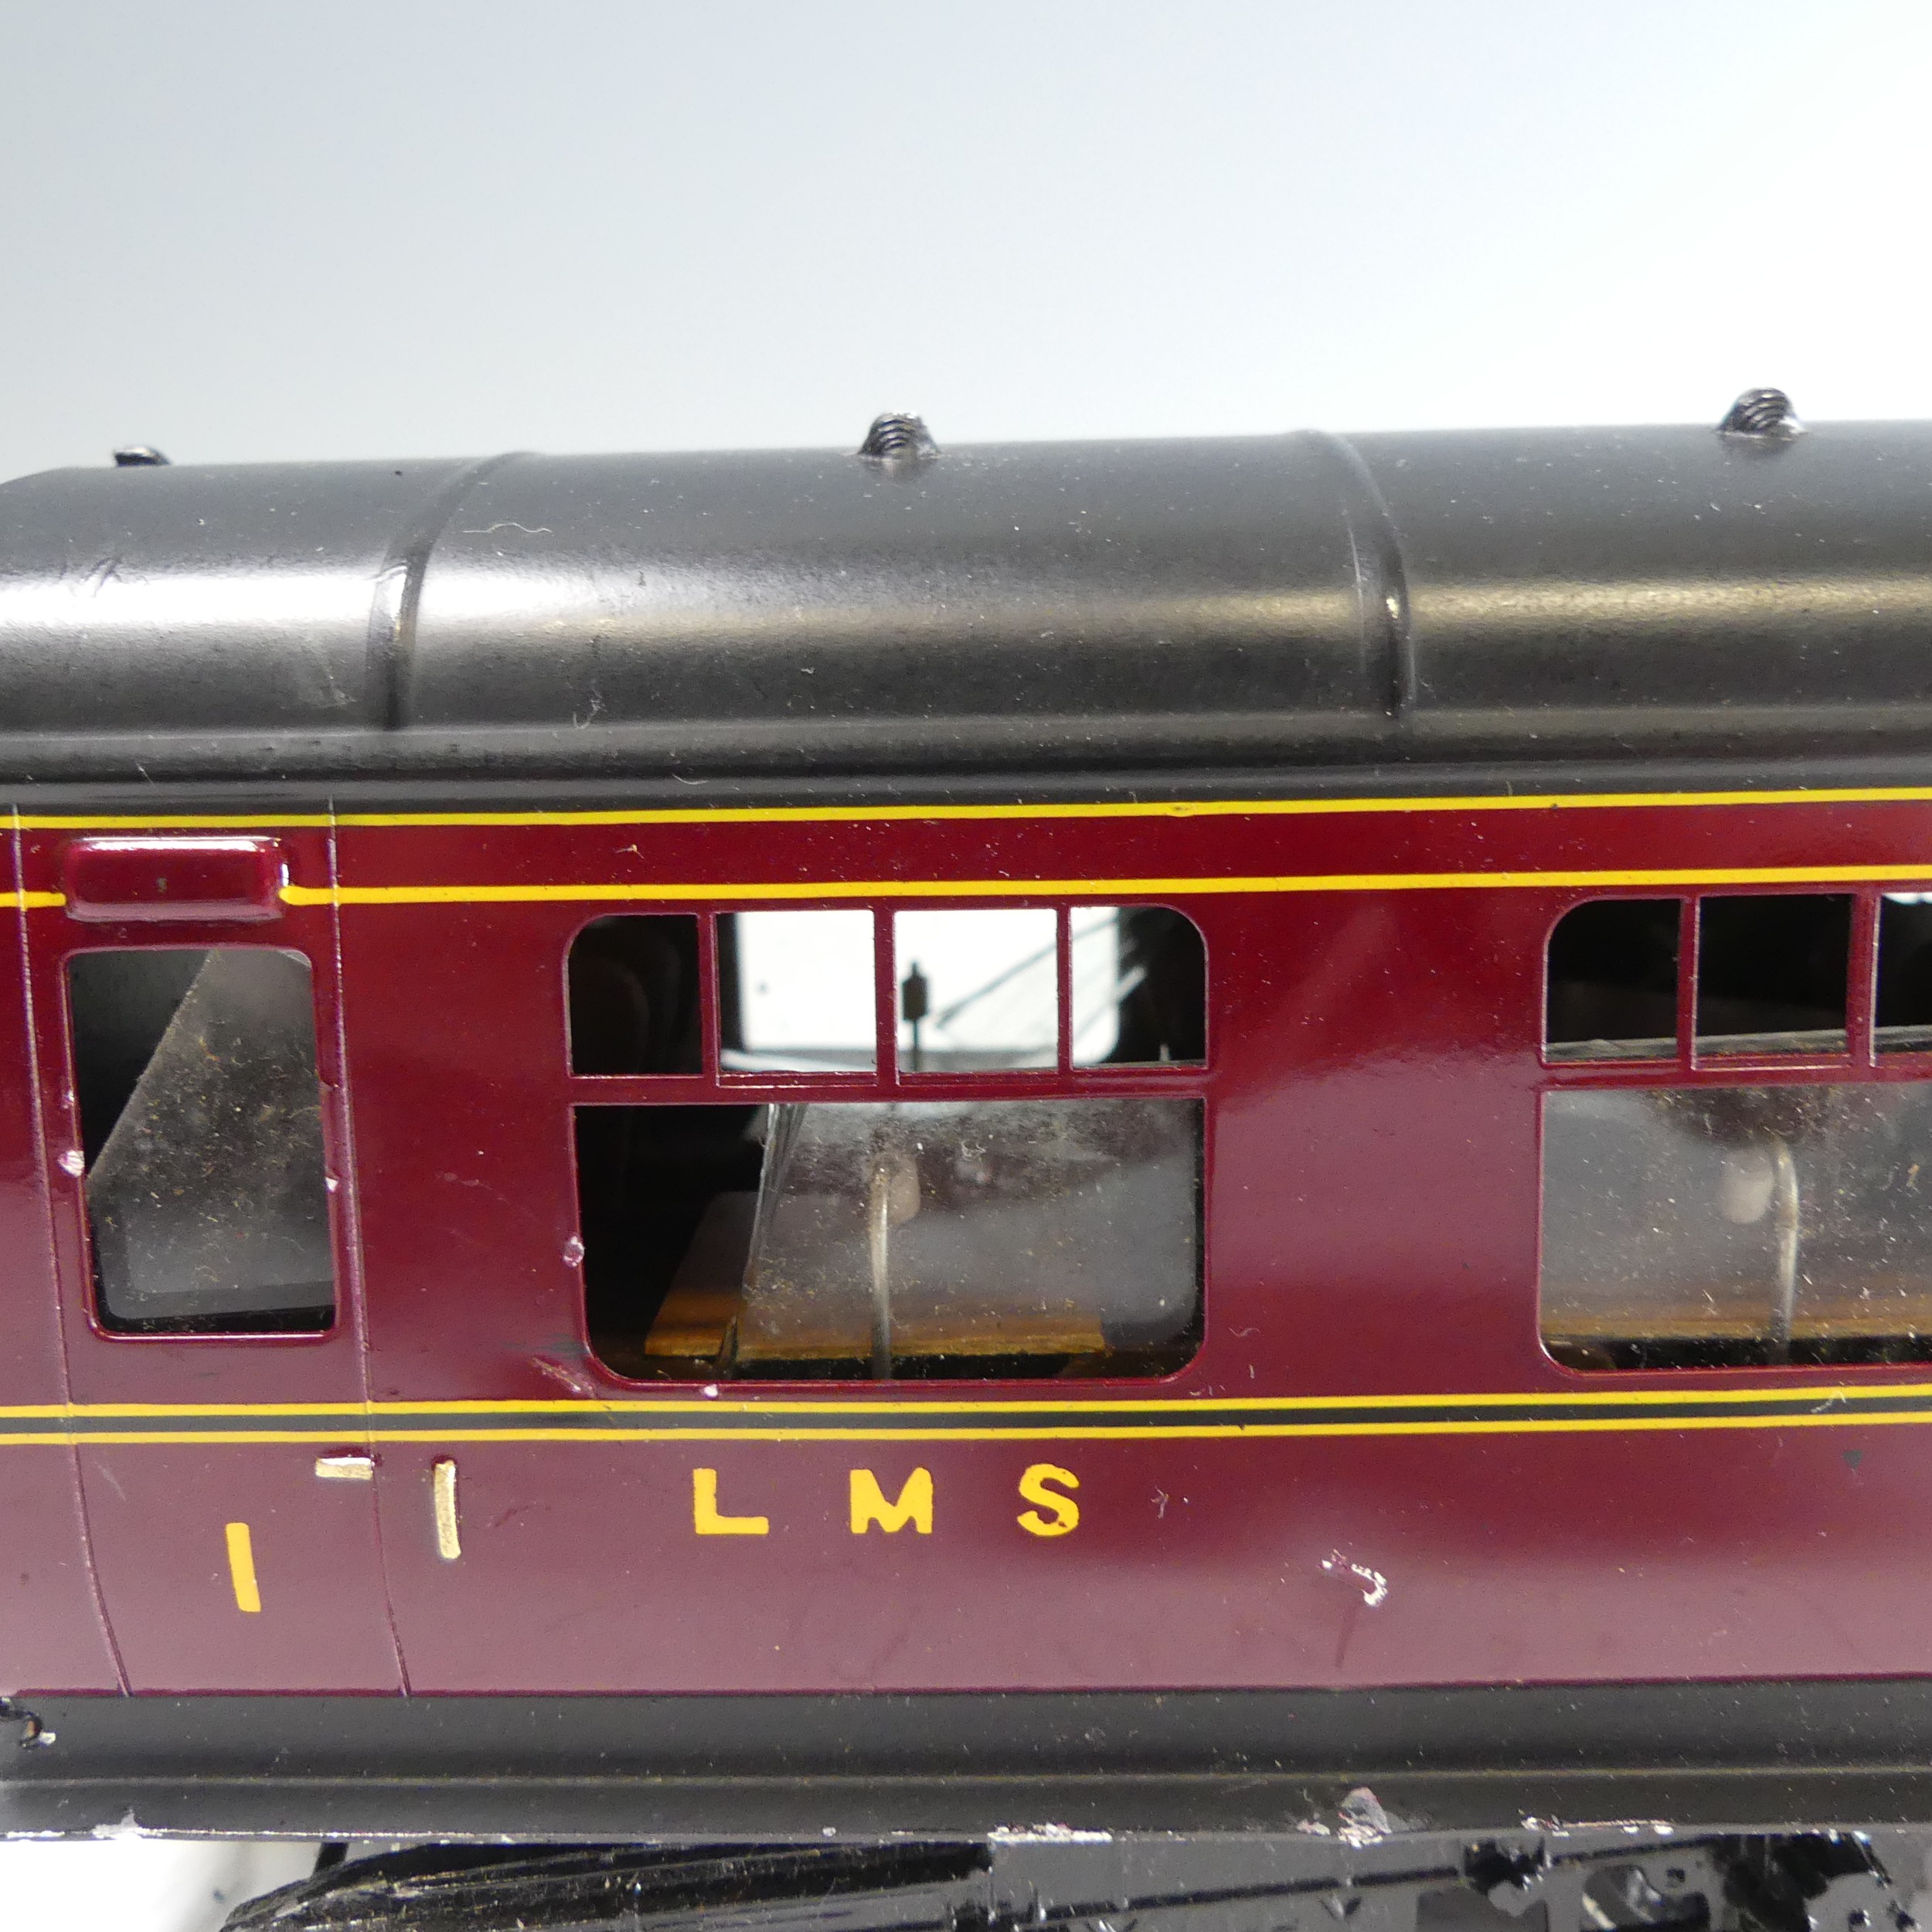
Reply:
x=196, y=1129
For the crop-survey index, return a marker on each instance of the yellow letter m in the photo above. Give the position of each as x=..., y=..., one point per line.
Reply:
x=869, y=1506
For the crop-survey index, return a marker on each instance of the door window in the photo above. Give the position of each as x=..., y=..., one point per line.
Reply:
x=204, y=1182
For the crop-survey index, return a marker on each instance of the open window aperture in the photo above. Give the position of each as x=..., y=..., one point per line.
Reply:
x=1612, y=983
x=1725, y=975
x=1901, y=1020
x=796, y=992
x=634, y=998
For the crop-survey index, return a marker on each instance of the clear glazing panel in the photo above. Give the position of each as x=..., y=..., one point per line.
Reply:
x=1697, y=1227
x=201, y=1118
x=873, y=1238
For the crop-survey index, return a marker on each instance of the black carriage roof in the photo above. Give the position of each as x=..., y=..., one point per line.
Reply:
x=1292, y=605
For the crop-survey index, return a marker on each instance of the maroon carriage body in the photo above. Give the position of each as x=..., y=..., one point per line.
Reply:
x=1354, y=727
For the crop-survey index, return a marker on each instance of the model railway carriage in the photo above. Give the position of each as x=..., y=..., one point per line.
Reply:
x=1127, y=1127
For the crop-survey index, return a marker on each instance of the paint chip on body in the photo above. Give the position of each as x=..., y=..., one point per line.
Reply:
x=1374, y=1586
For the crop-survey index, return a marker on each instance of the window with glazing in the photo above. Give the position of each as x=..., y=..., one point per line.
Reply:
x=906, y=1143
x=1737, y=1130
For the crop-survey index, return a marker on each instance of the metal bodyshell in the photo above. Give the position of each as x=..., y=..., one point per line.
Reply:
x=1373, y=715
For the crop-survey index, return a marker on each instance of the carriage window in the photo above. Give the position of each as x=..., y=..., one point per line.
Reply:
x=827, y=1229
x=1772, y=972
x=206, y=1198
x=1903, y=1020
x=633, y=996
x=977, y=991
x=797, y=992
x=1730, y=1227
x=879, y=1238
x=1613, y=982
x=1139, y=983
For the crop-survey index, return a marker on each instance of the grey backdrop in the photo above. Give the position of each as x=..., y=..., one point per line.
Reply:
x=409, y=227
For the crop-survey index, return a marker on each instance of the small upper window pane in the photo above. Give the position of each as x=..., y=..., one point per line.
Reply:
x=1613, y=982
x=1139, y=987
x=1903, y=1018
x=1772, y=971
x=798, y=992
x=977, y=990
x=633, y=996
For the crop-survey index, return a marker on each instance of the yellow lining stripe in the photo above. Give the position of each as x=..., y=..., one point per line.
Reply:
x=888, y=815
x=651, y=890
x=1176, y=1432
x=1598, y=1397
x=1167, y=1418
x=1051, y=1432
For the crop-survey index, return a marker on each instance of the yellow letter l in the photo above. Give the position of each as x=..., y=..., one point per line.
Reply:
x=704, y=1511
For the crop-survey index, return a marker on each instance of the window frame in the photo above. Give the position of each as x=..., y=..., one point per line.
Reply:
x=1859, y=1059
x=344, y=1326
x=1860, y=1063
x=887, y=1079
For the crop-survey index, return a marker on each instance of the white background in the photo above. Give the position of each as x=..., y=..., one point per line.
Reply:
x=394, y=228
x=246, y=228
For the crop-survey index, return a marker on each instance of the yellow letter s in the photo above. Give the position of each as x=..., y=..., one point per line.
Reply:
x=1033, y=1487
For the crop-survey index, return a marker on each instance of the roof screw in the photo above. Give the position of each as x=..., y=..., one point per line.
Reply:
x=1762, y=413
x=139, y=456
x=898, y=438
